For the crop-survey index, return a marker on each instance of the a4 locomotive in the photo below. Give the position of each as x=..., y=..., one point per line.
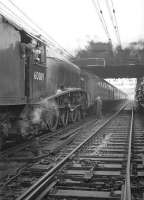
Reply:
x=29, y=80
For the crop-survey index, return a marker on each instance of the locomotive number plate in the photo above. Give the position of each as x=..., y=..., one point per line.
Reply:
x=39, y=76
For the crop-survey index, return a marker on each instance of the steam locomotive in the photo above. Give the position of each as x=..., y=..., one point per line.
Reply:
x=29, y=80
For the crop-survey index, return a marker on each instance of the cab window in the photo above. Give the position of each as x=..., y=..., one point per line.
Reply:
x=39, y=54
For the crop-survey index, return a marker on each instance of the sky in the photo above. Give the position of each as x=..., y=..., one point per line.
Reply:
x=72, y=23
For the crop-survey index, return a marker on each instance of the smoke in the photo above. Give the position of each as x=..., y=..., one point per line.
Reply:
x=44, y=111
x=24, y=125
x=36, y=115
x=35, y=118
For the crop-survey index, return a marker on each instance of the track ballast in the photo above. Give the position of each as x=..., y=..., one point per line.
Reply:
x=95, y=169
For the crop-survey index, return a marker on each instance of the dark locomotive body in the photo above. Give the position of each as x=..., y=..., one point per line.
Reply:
x=12, y=84
x=30, y=78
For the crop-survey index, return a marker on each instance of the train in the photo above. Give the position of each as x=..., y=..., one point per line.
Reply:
x=29, y=82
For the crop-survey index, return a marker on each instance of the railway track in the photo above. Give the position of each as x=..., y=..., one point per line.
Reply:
x=15, y=184
x=48, y=143
x=137, y=159
x=16, y=146
x=91, y=167
x=97, y=168
x=105, y=163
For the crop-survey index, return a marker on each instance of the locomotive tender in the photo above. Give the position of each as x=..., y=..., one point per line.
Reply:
x=29, y=79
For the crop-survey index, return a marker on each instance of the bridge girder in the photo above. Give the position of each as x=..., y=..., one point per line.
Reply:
x=116, y=71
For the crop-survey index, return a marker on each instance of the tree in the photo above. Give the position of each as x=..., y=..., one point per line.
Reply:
x=132, y=54
x=96, y=50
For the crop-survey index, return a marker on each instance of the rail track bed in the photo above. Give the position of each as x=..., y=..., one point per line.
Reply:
x=98, y=168
x=44, y=144
x=18, y=145
x=92, y=166
x=137, y=159
x=20, y=169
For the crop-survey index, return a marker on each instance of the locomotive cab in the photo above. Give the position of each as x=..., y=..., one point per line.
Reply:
x=22, y=65
x=33, y=53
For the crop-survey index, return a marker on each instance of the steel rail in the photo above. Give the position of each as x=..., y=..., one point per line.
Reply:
x=33, y=192
x=22, y=145
x=127, y=189
x=71, y=134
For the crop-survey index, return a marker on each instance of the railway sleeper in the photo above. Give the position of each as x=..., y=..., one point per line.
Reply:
x=98, y=167
x=86, y=194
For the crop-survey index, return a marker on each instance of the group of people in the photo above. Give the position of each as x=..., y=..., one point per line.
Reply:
x=32, y=47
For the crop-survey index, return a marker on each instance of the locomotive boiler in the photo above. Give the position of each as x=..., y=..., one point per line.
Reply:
x=30, y=79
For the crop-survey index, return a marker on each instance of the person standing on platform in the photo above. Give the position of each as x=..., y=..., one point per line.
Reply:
x=99, y=107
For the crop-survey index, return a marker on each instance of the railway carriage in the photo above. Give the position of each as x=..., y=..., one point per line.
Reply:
x=29, y=80
x=96, y=86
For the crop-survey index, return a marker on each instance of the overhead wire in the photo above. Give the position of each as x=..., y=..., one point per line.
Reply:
x=39, y=28
x=101, y=12
x=111, y=17
x=13, y=18
x=12, y=14
x=18, y=23
x=35, y=30
x=101, y=17
x=49, y=38
x=115, y=22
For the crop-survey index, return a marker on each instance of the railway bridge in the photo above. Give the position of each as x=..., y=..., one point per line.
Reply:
x=125, y=70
